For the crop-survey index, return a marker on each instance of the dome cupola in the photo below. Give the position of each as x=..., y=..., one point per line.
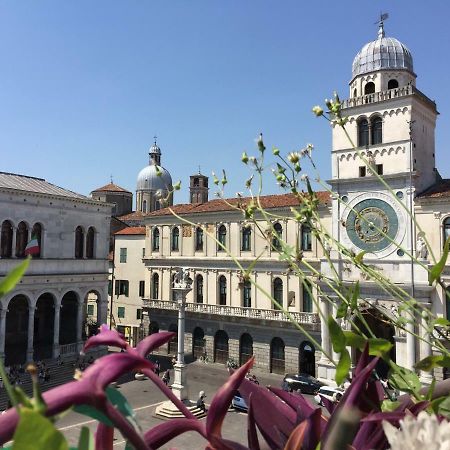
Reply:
x=384, y=53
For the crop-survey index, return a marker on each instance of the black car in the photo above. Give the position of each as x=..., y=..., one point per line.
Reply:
x=302, y=382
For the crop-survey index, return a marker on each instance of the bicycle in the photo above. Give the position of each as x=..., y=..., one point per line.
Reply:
x=204, y=359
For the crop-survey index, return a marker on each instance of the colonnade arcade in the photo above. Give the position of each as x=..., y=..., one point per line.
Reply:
x=46, y=325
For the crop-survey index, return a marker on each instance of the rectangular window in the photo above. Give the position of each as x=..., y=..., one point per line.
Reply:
x=362, y=171
x=109, y=287
x=121, y=312
x=306, y=243
x=90, y=310
x=307, y=298
x=123, y=255
x=380, y=169
x=138, y=314
x=247, y=295
x=143, y=252
x=141, y=288
x=246, y=239
x=121, y=287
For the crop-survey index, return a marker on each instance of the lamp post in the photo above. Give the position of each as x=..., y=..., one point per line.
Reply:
x=182, y=285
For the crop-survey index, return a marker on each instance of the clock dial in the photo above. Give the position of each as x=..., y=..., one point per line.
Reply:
x=372, y=224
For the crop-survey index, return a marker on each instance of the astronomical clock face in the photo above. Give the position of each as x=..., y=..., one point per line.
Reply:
x=372, y=225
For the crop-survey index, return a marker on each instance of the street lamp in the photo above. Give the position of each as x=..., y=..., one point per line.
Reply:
x=182, y=285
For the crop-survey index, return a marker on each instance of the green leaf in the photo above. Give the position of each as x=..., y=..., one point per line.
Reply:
x=428, y=363
x=404, y=380
x=343, y=367
x=38, y=433
x=336, y=335
x=389, y=405
x=359, y=257
x=430, y=391
x=441, y=321
x=86, y=441
x=355, y=340
x=89, y=411
x=379, y=347
x=9, y=282
x=342, y=310
x=436, y=270
x=444, y=407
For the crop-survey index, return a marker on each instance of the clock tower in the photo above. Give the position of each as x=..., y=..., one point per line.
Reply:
x=390, y=128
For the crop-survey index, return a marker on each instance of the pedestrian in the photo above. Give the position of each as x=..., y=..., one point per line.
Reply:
x=285, y=386
x=166, y=377
x=174, y=361
x=157, y=368
x=200, y=402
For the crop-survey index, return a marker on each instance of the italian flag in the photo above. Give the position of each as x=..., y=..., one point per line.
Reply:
x=32, y=247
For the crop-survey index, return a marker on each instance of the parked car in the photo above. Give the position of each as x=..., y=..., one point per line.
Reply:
x=302, y=382
x=333, y=394
x=239, y=403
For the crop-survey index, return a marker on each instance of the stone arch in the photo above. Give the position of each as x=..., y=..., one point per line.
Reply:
x=277, y=356
x=6, y=239
x=91, y=319
x=16, y=329
x=198, y=342
x=90, y=243
x=44, y=326
x=221, y=347
x=22, y=238
x=306, y=358
x=37, y=231
x=245, y=348
x=68, y=328
x=79, y=242
x=172, y=346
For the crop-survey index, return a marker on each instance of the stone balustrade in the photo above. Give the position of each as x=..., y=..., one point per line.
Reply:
x=237, y=311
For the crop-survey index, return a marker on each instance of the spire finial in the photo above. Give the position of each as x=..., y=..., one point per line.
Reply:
x=199, y=171
x=383, y=17
x=111, y=179
x=155, y=138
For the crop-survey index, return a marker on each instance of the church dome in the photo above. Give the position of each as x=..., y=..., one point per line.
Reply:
x=149, y=179
x=383, y=53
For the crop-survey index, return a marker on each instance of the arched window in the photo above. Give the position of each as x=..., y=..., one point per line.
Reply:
x=90, y=243
x=155, y=244
x=376, y=131
x=446, y=229
x=175, y=239
x=221, y=237
x=144, y=206
x=21, y=239
x=363, y=133
x=306, y=243
x=155, y=286
x=199, y=289
x=198, y=239
x=36, y=233
x=221, y=347
x=246, y=348
x=246, y=239
x=6, y=239
x=222, y=290
x=392, y=84
x=277, y=233
x=79, y=243
x=369, y=88
x=278, y=292
x=307, y=298
x=198, y=342
x=277, y=359
x=306, y=358
x=196, y=182
x=247, y=295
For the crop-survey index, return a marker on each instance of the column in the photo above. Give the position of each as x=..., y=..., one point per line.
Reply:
x=410, y=342
x=425, y=346
x=30, y=352
x=80, y=326
x=2, y=332
x=56, y=352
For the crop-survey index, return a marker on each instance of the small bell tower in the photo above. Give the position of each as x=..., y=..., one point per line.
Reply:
x=198, y=188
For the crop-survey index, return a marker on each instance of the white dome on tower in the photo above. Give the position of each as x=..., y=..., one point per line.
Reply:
x=153, y=178
x=382, y=53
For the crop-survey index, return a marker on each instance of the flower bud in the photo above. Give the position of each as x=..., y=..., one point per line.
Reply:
x=318, y=111
x=244, y=158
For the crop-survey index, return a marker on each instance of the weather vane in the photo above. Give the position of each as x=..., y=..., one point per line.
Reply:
x=155, y=138
x=380, y=23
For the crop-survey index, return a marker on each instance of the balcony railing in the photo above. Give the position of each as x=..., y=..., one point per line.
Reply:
x=236, y=311
x=384, y=95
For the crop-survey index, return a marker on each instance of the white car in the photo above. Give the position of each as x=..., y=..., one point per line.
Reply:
x=333, y=394
x=238, y=403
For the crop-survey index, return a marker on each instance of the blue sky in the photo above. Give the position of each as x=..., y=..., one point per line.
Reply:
x=85, y=85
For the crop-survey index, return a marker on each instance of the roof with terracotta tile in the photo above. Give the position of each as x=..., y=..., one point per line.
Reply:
x=439, y=190
x=111, y=187
x=131, y=230
x=217, y=205
x=135, y=215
